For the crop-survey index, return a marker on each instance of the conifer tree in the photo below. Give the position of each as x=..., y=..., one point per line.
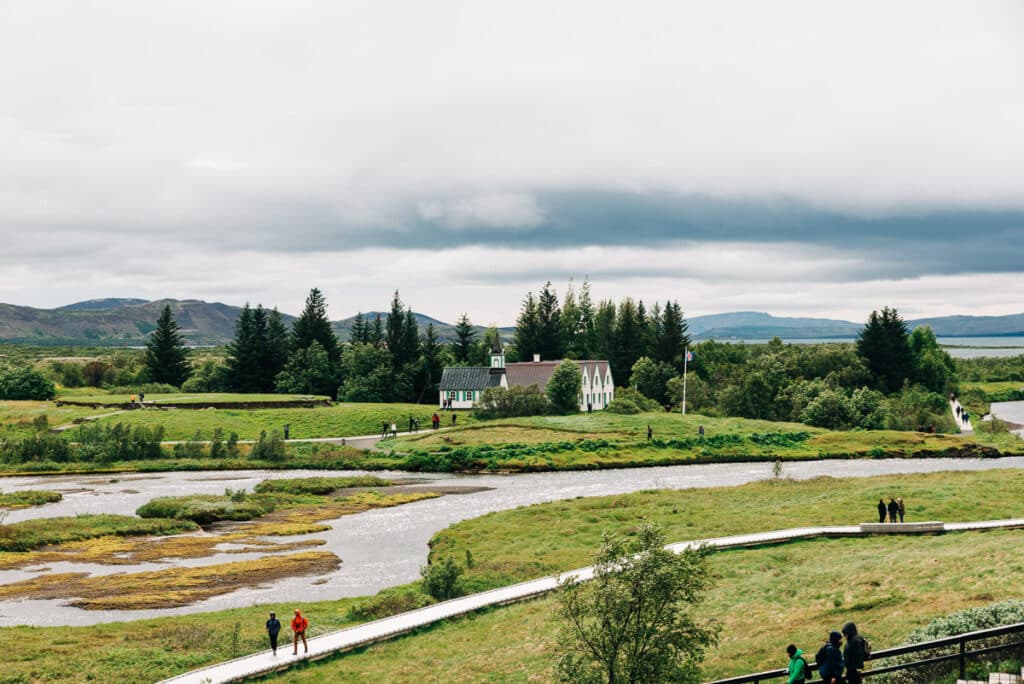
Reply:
x=551, y=335
x=166, y=354
x=242, y=360
x=884, y=345
x=627, y=339
x=395, y=332
x=527, y=339
x=585, y=331
x=376, y=333
x=572, y=324
x=604, y=331
x=410, y=338
x=672, y=338
x=276, y=350
x=430, y=351
x=465, y=337
x=359, y=333
x=314, y=326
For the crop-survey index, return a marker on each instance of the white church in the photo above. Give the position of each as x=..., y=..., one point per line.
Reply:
x=461, y=388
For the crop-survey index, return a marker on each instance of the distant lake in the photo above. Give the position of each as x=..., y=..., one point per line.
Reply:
x=958, y=347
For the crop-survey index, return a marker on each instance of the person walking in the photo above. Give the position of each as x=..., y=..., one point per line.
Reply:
x=455, y=416
x=299, y=625
x=881, y=511
x=900, y=507
x=410, y=423
x=854, y=654
x=394, y=429
x=798, y=667
x=894, y=510
x=700, y=432
x=435, y=420
x=384, y=429
x=273, y=629
x=649, y=432
x=830, y=659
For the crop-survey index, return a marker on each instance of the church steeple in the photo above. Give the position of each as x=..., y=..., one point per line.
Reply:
x=497, y=353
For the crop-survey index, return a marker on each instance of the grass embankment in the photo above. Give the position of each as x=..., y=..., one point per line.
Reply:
x=605, y=440
x=28, y=497
x=339, y=420
x=763, y=599
x=201, y=398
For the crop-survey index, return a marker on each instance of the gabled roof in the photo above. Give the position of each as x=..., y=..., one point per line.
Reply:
x=496, y=345
x=538, y=373
x=469, y=378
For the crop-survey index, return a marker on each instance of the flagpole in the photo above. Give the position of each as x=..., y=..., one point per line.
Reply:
x=686, y=356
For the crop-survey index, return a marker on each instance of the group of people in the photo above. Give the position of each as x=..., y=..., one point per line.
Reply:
x=895, y=508
x=138, y=400
x=837, y=664
x=299, y=626
x=388, y=429
x=962, y=415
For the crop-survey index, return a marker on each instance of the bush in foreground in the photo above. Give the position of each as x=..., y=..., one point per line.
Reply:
x=204, y=509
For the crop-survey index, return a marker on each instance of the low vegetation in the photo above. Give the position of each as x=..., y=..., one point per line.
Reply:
x=31, y=534
x=28, y=497
x=319, y=485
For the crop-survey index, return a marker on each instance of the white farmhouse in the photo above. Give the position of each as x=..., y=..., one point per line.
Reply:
x=462, y=387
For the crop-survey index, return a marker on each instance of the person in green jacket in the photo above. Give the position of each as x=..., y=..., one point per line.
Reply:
x=798, y=673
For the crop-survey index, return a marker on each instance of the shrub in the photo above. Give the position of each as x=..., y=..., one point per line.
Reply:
x=318, y=485
x=645, y=404
x=204, y=509
x=969, y=620
x=268, y=448
x=25, y=382
x=441, y=580
x=625, y=407
x=145, y=388
x=511, y=402
x=190, y=448
x=389, y=602
x=41, y=447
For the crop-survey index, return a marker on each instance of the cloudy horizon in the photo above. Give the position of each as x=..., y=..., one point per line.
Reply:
x=797, y=157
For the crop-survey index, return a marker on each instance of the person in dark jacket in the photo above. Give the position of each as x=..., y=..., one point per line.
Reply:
x=830, y=660
x=881, y=511
x=894, y=510
x=273, y=629
x=798, y=673
x=854, y=654
x=901, y=506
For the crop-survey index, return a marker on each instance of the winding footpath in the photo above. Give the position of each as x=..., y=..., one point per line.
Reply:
x=964, y=425
x=388, y=628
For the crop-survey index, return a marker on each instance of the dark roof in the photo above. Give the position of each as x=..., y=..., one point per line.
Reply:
x=471, y=378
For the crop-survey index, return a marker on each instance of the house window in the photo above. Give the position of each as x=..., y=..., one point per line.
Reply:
x=453, y=395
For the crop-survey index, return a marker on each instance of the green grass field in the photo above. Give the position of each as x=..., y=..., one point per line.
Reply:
x=339, y=420
x=16, y=417
x=764, y=598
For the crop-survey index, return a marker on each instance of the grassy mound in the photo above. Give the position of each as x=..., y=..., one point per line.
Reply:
x=204, y=509
x=28, y=497
x=319, y=485
x=31, y=534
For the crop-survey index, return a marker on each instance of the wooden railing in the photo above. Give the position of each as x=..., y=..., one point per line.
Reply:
x=959, y=643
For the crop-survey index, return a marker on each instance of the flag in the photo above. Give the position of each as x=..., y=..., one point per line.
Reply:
x=689, y=355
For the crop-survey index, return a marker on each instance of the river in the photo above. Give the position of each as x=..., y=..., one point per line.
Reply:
x=384, y=547
x=1011, y=412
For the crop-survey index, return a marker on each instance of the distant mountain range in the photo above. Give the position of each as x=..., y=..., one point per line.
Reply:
x=128, y=322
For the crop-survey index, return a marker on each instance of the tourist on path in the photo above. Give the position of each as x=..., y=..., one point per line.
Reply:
x=881, y=511
x=700, y=432
x=273, y=629
x=454, y=418
x=435, y=420
x=901, y=507
x=894, y=510
x=394, y=429
x=410, y=423
x=649, y=433
x=384, y=429
x=830, y=659
x=299, y=625
x=854, y=654
x=798, y=673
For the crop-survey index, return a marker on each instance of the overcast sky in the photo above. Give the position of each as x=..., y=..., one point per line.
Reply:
x=800, y=158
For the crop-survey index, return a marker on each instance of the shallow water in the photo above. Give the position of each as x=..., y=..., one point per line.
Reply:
x=386, y=547
x=1010, y=411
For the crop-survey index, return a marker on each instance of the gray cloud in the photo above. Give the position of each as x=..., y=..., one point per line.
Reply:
x=188, y=143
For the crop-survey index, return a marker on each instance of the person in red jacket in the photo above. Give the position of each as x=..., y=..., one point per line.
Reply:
x=299, y=625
